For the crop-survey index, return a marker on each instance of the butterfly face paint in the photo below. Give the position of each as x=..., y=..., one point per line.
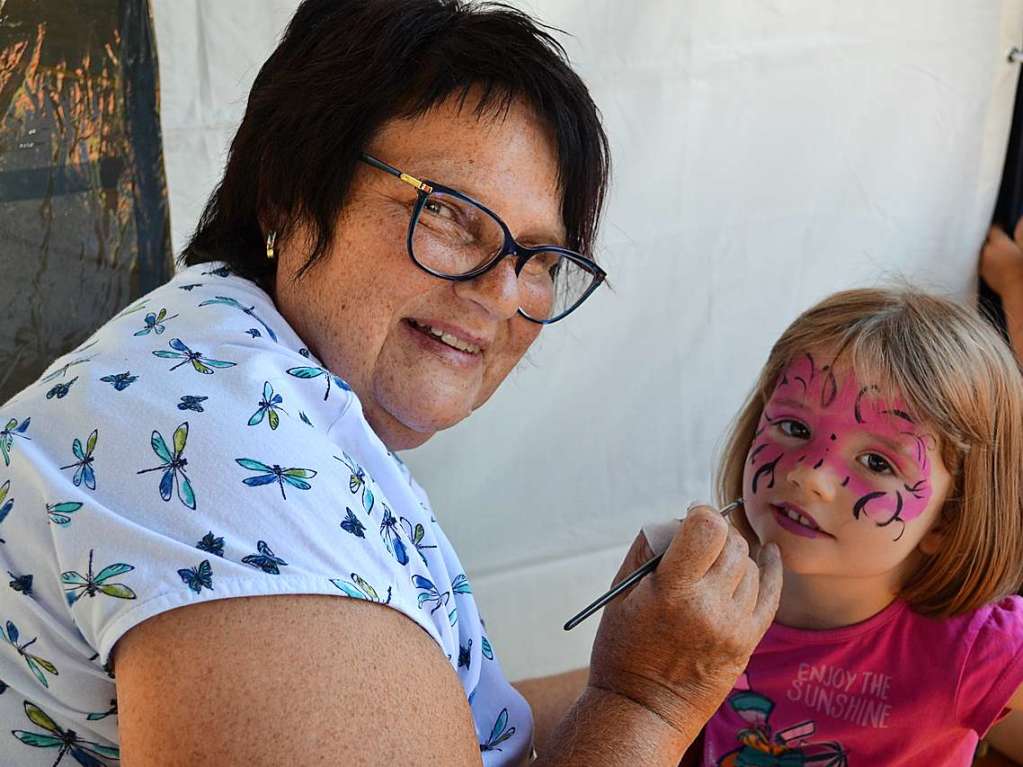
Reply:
x=830, y=442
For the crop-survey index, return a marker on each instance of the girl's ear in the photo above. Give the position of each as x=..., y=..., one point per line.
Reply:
x=931, y=543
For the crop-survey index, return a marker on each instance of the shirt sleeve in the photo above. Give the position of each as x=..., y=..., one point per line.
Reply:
x=993, y=667
x=239, y=472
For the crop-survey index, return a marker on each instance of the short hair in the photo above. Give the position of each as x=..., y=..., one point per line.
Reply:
x=955, y=373
x=344, y=68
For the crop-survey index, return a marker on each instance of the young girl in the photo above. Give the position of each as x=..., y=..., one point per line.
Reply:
x=882, y=450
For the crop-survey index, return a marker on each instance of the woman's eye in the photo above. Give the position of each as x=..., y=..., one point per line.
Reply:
x=876, y=463
x=794, y=429
x=439, y=209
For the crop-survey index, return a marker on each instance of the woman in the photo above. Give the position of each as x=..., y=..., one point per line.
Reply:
x=232, y=435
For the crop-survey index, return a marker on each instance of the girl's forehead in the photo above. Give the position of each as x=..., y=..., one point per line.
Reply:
x=822, y=382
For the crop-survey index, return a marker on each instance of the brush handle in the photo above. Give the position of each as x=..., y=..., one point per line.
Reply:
x=634, y=577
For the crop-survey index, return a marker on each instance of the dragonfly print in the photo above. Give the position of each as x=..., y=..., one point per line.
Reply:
x=6, y=504
x=62, y=371
x=200, y=363
x=36, y=664
x=78, y=585
x=268, y=406
x=295, y=477
x=85, y=752
x=8, y=433
x=315, y=372
x=359, y=588
x=357, y=481
x=226, y=301
x=154, y=323
x=84, y=472
x=173, y=466
x=392, y=537
x=58, y=512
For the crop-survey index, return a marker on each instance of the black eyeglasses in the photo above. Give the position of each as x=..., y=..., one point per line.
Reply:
x=454, y=237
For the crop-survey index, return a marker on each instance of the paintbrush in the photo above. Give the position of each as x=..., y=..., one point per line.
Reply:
x=645, y=569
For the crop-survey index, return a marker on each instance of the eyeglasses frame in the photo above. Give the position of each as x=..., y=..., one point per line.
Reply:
x=511, y=246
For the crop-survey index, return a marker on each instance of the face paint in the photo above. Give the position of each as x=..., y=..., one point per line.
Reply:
x=874, y=453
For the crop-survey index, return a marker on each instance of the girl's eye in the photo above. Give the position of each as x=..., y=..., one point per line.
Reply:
x=794, y=429
x=876, y=463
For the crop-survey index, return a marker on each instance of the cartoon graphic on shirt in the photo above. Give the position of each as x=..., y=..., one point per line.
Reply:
x=36, y=664
x=786, y=748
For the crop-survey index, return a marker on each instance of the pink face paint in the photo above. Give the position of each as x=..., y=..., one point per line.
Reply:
x=874, y=450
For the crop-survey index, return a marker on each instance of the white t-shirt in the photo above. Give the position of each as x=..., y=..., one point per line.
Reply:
x=192, y=450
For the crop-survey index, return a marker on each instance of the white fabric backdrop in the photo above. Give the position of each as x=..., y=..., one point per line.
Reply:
x=766, y=153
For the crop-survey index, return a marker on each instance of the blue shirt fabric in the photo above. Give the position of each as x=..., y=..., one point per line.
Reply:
x=192, y=450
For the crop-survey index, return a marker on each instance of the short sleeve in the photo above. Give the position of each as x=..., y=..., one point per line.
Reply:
x=993, y=667
x=212, y=456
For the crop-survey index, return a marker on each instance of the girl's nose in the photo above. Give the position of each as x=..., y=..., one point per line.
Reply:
x=819, y=482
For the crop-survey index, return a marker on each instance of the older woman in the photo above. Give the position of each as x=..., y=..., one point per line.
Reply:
x=412, y=195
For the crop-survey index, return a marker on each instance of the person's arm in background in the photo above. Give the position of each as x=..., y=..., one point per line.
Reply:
x=1001, y=266
x=1007, y=736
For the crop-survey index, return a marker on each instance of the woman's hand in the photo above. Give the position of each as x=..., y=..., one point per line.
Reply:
x=677, y=641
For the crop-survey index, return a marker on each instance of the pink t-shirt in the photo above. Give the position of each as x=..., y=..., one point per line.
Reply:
x=899, y=690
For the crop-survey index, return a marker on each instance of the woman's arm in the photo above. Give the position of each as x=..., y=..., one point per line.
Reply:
x=291, y=680
x=550, y=698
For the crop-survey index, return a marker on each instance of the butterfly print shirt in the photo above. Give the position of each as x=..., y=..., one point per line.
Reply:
x=193, y=449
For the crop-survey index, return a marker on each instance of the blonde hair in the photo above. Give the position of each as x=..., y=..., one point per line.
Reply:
x=954, y=371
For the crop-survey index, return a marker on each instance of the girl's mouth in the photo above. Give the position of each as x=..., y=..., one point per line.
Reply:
x=796, y=521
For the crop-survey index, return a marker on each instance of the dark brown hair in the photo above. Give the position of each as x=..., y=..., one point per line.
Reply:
x=343, y=69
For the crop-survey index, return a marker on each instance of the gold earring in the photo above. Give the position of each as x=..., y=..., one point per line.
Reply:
x=270, y=240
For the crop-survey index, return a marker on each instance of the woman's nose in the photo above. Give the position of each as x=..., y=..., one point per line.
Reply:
x=497, y=291
x=816, y=479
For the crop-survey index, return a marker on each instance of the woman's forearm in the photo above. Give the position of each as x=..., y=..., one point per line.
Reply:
x=613, y=731
x=550, y=698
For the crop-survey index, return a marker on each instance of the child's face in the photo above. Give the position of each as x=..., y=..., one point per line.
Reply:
x=846, y=483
